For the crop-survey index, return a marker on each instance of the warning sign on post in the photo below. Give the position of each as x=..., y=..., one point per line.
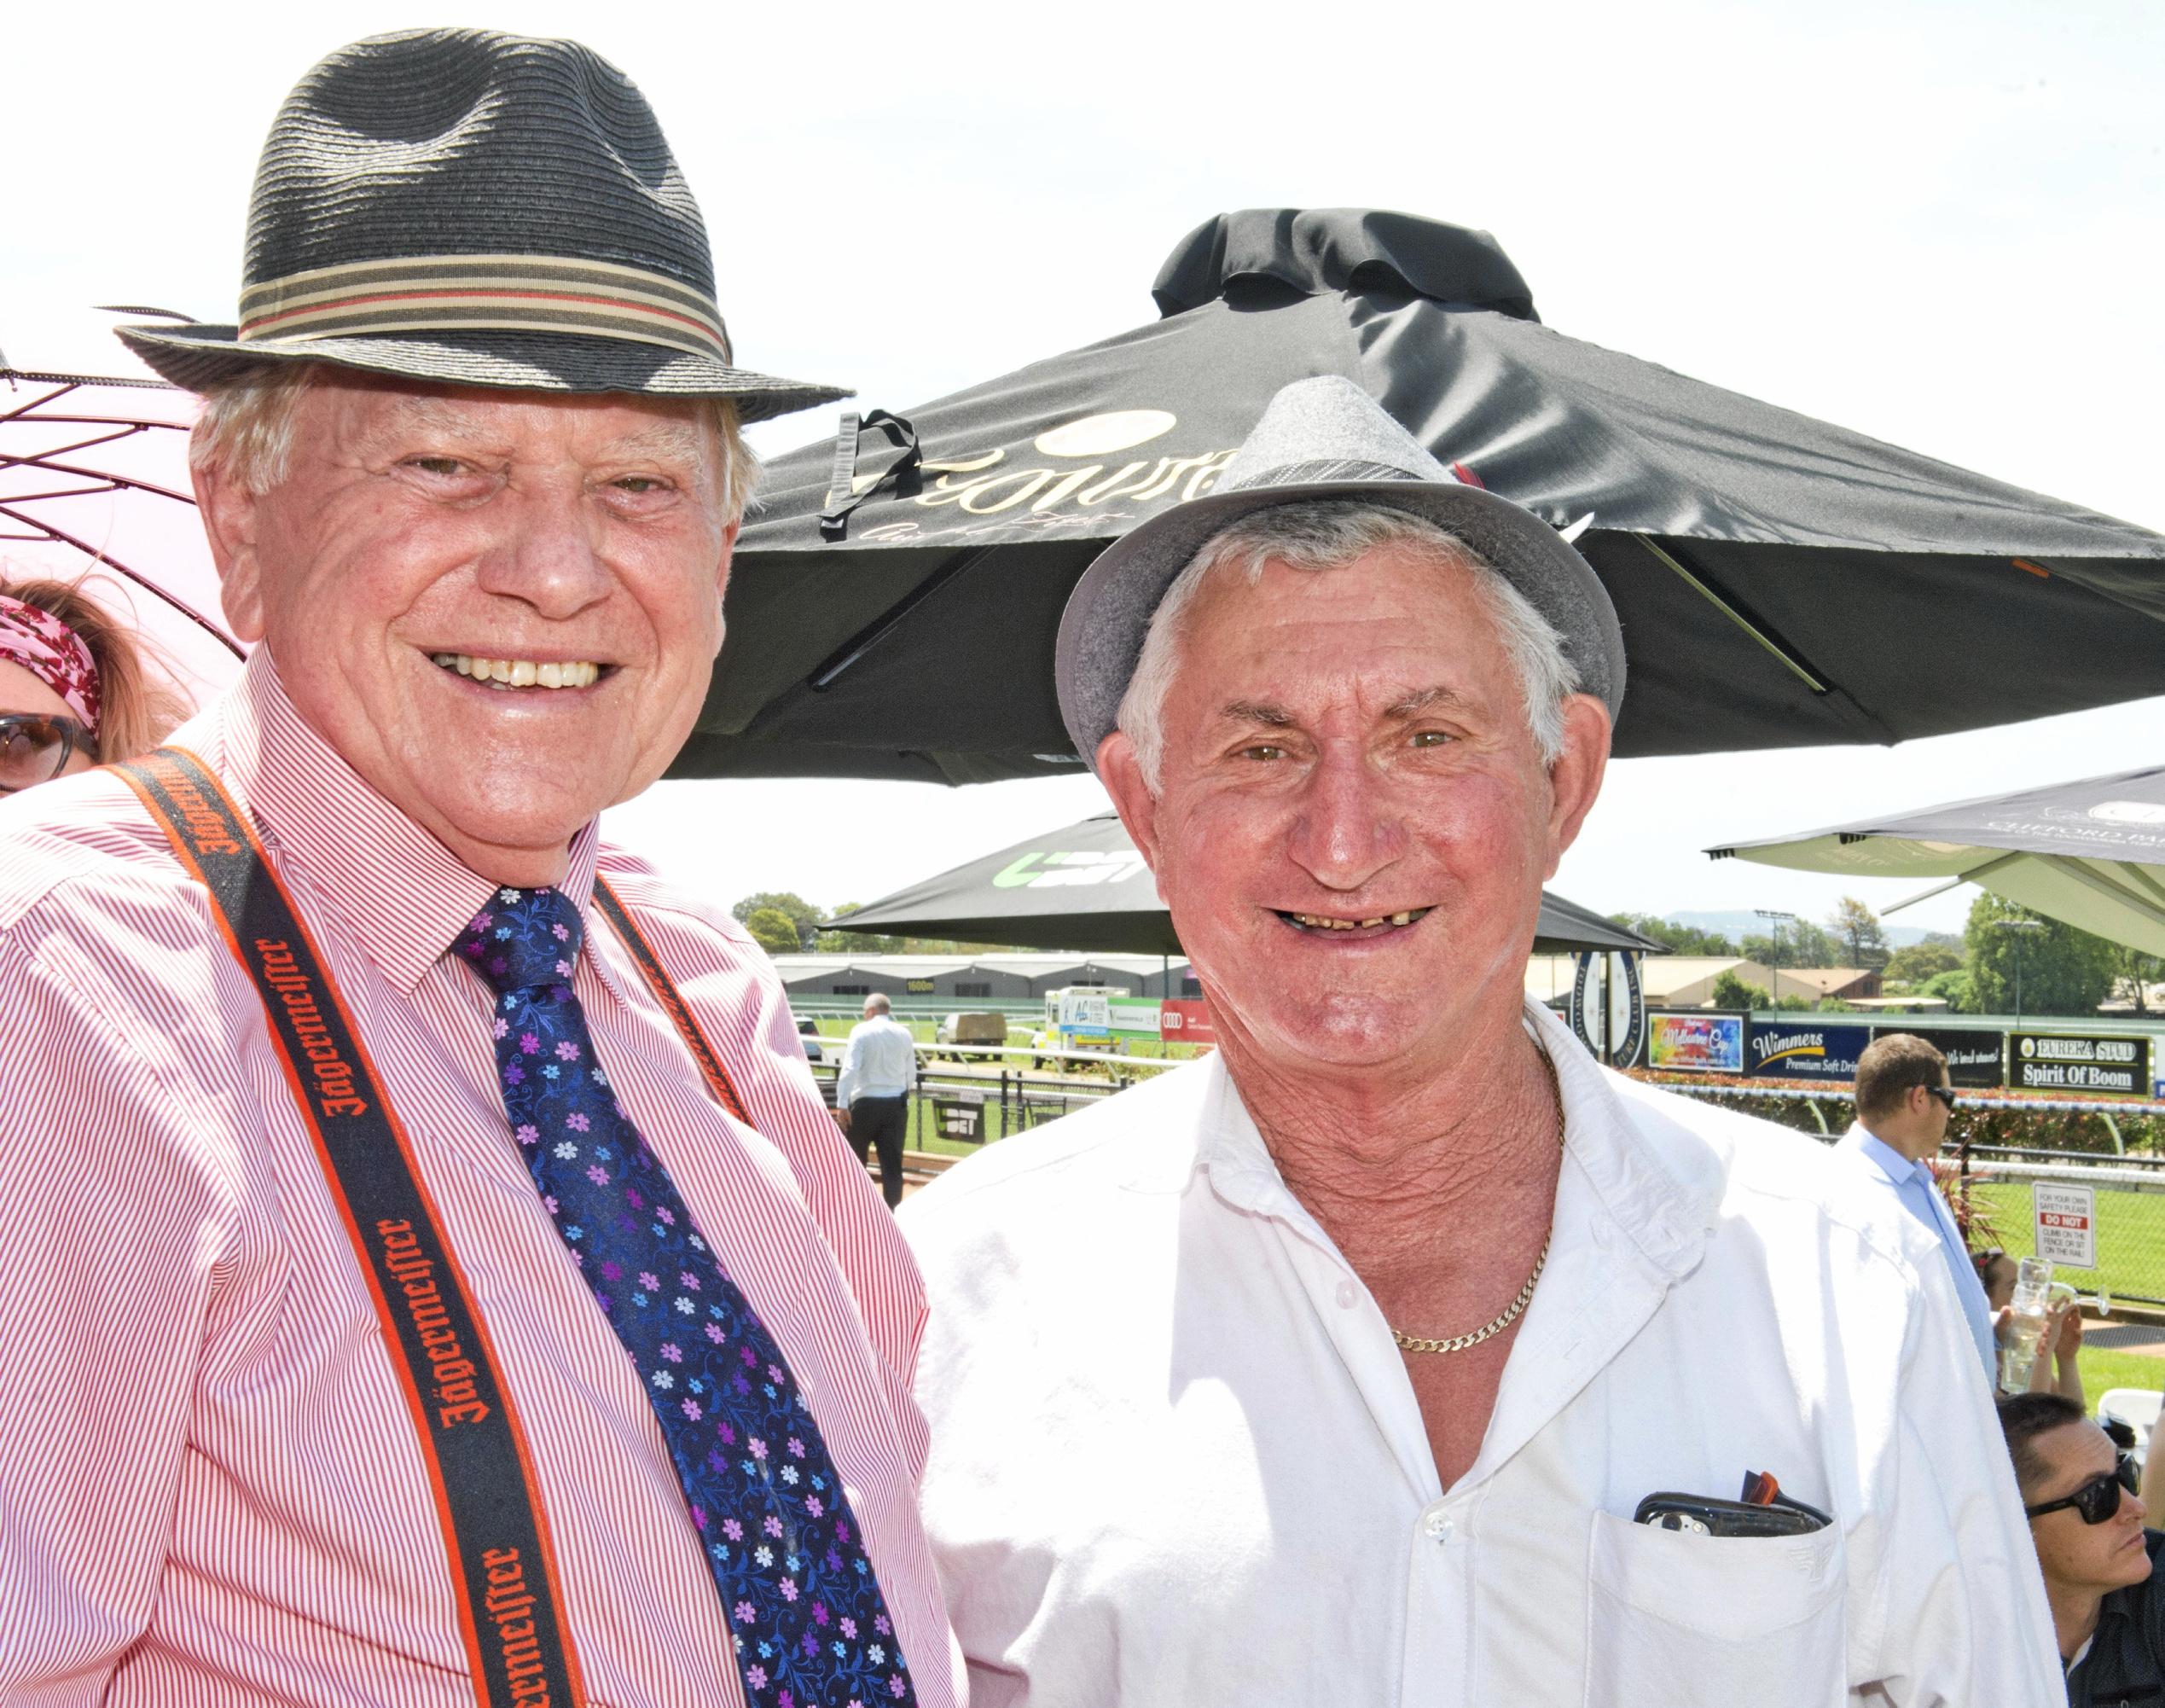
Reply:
x=960, y=1116
x=2067, y=1224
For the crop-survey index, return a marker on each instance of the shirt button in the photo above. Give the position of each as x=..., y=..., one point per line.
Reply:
x=1346, y=1295
x=1438, y=1527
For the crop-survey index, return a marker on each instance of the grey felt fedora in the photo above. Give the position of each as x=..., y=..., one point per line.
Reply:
x=476, y=209
x=1320, y=439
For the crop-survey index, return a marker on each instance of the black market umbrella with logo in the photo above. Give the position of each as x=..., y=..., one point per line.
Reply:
x=2089, y=853
x=1085, y=887
x=1774, y=574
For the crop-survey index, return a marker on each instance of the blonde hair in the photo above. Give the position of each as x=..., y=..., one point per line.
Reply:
x=246, y=428
x=136, y=711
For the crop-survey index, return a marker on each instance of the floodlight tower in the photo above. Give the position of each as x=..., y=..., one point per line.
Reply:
x=2021, y=928
x=1778, y=916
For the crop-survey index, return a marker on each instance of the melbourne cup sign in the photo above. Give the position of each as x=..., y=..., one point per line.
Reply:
x=1695, y=1044
x=1974, y=1059
x=2080, y=1062
x=1804, y=1049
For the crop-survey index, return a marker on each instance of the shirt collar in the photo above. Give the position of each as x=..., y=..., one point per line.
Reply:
x=1662, y=1204
x=405, y=897
x=1899, y=1169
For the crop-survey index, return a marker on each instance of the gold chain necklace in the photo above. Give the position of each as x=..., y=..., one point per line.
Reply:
x=1509, y=1314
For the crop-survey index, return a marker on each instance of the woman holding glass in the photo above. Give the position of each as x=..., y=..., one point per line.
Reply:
x=2056, y=1370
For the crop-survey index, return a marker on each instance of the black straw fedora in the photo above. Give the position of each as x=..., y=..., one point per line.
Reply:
x=476, y=209
x=1320, y=439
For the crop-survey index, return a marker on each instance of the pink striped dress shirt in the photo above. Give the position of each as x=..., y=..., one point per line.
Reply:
x=210, y=1488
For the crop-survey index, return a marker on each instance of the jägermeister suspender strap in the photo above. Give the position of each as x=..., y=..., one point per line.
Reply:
x=501, y=1564
x=666, y=992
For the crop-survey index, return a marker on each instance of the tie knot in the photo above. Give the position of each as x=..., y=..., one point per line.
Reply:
x=522, y=939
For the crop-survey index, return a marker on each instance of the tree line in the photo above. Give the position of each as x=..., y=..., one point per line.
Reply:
x=2062, y=970
x=782, y=922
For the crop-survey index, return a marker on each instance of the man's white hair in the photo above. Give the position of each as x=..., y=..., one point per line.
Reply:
x=1327, y=534
x=246, y=427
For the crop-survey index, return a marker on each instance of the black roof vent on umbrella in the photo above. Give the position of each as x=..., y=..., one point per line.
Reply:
x=1261, y=256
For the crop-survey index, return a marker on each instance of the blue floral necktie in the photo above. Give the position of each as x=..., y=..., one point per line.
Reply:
x=804, y=1607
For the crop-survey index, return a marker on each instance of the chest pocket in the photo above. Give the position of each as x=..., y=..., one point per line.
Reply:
x=1711, y=1622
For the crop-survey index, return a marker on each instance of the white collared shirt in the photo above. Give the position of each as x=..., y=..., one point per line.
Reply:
x=879, y=1061
x=1176, y=1459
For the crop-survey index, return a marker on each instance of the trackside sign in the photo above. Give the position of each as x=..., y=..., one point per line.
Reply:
x=2069, y=1061
x=2067, y=1224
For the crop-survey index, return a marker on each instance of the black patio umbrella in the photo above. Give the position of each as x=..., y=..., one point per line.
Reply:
x=1084, y=886
x=1781, y=582
x=2090, y=853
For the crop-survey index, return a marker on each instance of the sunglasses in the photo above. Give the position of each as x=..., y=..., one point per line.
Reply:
x=35, y=748
x=2098, y=1499
x=1941, y=1094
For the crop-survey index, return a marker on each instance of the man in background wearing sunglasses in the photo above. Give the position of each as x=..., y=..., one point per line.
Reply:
x=2100, y=1565
x=1903, y=1102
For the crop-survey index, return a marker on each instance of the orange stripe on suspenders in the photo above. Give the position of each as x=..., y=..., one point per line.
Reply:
x=503, y=1567
x=672, y=1001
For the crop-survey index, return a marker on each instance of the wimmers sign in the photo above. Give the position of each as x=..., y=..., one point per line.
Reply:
x=1804, y=1049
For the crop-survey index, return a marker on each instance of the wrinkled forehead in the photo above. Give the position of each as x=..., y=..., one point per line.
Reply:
x=381, y=409
x=1389, y=634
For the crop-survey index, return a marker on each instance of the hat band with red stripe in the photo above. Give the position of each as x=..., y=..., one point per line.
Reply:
x=447, y=293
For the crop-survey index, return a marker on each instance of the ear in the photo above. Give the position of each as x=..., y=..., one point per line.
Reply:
x=1121, y=772
x=230, y=516
x=722, y=582
x=728, y=555
x=1574, y=779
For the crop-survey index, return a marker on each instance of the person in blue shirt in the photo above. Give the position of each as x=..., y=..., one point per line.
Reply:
x=1904, y=1101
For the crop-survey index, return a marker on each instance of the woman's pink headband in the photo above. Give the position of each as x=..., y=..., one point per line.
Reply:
x=53, y=652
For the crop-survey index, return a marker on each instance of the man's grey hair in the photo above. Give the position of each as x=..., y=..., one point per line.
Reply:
x=246, y=428
x=877, y=1003
x=1327, y=534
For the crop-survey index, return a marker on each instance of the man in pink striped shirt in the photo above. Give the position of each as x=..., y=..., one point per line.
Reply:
x=477, y=509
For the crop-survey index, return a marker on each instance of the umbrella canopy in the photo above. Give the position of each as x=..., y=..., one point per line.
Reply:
x=2090, y=853
x=1774, y=574
x=1086, y=887
x=94, y=487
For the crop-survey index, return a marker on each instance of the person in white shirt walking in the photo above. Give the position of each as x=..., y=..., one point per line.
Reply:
x=872, y=1091
x=1335, y=1367
x=1904, y=1101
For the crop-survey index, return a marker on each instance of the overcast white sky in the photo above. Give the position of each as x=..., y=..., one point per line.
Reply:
x=1941, y=224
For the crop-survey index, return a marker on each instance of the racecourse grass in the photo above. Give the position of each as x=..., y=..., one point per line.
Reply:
x=2102, y=1369
x=2130, y=1237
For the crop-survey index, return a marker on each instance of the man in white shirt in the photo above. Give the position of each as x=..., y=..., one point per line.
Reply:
x=872, y=1091
x=1334, y=1367
x=1904, y=1100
